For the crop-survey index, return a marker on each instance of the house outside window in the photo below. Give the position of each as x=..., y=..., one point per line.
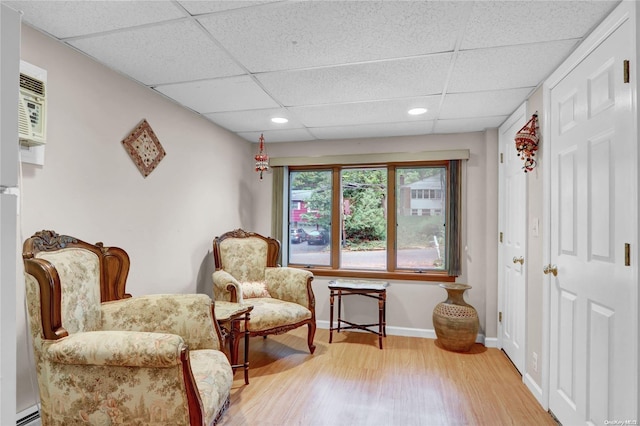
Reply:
x=381, y=219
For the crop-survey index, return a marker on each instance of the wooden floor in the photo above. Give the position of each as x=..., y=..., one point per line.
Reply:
x=351, y=382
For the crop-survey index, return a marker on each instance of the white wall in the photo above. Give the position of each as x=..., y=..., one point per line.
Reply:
x=410, y=303
x=89, y=187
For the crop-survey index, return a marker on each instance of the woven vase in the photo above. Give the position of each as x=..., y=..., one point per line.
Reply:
x=455, y=321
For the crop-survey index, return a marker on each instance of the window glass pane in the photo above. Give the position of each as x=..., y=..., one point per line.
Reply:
x=310, y=217
x=420, y=232
x=364, y=219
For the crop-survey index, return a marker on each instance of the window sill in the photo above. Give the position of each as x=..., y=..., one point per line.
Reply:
x=381, y=275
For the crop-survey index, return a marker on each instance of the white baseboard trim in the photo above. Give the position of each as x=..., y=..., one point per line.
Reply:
x=491, y=342
x=534, y=388
x=415, y=332
x=29, y=417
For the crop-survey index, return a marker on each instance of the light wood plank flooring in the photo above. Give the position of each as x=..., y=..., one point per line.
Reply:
x=411, y=382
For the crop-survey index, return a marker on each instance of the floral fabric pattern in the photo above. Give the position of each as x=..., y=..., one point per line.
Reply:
x=288, y=284
x=122, y=364
x=254, y=289
x=187, y=315
x=221, y=281
x=214, y=377
x=244, y=258
x=109, y=395
x=121, y=348
x=271, y=313
x=79, y=270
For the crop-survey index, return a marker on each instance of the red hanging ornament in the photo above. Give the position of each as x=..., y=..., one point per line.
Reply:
x=262, y=159
x=527, y=143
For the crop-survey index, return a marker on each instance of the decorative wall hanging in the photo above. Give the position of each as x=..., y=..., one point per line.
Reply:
x=262, y=159
x=144, y=148
x=527, y=143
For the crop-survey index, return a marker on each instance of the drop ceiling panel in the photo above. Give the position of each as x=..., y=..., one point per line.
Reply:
x=501, y=23
x=507, y=67
x=64, y=19
x=380, y=130
x=288, y=135
x=479, y=104
x=176, y=51
x=468, y=124
x=199, y=7
x=222, y=94
x=366, y=112
x=293, y=35
x=337, y=69
x=360, y=82
x=254, y=120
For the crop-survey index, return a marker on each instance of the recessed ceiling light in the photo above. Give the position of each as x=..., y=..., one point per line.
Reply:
x=417, y=111
x=279, y=120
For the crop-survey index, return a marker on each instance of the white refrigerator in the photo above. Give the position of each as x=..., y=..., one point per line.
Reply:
x=9, y=195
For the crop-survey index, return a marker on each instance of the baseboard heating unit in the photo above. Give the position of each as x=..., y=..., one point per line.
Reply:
x=29, y=417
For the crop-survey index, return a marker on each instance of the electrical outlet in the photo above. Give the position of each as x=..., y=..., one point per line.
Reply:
x=534, y=361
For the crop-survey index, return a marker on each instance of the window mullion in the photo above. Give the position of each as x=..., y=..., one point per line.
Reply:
x=336, y=217
x=391, y=218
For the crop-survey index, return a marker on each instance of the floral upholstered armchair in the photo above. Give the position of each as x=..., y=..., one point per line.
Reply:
x=247, y=272
x=104, y=357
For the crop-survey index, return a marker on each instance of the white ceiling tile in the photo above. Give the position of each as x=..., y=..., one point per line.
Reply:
x=318, y=33
x=198, y=7
x=479, y=104
x=64, y=19
x=288, y=135
x=176, y=51
x=501, y=23
x=336, y=69
x=507, y=67
x=222, y=94
x=362, y=82
x=381, y=130
x=255, y=120
x=463, y=125
x=373, y=112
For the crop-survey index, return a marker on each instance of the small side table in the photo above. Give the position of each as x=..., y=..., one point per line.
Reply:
x=373, y=289
x=229, y=315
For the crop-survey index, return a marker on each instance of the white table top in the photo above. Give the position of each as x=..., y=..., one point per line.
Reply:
x=359, y=284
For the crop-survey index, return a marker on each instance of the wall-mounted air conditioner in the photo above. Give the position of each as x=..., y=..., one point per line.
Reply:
x=32, y=106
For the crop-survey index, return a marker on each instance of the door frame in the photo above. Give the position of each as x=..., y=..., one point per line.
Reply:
x=622, y=13
x=9, y=157
x=521, y=111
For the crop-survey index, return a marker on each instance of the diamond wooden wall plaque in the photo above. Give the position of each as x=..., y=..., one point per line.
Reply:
x=144, y=148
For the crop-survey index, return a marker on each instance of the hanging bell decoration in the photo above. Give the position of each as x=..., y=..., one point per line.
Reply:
x=527, y=143
x=262, y=159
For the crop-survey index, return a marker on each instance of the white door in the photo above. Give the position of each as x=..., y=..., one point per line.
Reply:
x=9, y=70
x=593, y=318
x=512, y=247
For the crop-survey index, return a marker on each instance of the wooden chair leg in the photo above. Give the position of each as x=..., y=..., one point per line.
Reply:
x=311, y=335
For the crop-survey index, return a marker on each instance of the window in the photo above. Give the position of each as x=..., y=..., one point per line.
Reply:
x=371, y=221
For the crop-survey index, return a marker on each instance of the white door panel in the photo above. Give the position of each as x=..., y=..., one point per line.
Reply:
x=513, y=226
x=593, y=156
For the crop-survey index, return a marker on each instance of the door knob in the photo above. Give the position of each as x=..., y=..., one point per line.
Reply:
x=519, y=260
x=551, y=269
